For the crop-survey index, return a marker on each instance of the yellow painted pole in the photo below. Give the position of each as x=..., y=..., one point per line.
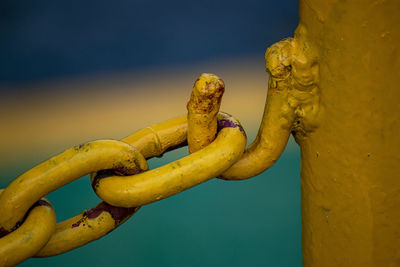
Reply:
x=350, y=164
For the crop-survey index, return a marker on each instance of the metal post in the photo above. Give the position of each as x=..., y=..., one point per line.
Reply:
x=350, y=164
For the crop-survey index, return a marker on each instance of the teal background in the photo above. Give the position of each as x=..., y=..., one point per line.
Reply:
x=255, y=222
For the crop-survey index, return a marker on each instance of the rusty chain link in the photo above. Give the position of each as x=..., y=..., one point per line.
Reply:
x=113, y=164
x=120, y=175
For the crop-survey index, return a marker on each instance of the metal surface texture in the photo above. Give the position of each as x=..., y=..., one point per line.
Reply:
x=334, y=86
x=30, y=236
x=350, y=163
x=120, y=176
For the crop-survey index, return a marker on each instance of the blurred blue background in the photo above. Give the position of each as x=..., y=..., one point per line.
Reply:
x=256, y=222
x=49, y=39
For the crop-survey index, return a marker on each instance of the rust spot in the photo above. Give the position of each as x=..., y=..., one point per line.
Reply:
x=19, y=223
x=124, y=171
x=42, y=202
x=84, y=215
x=3, y=232
x=104, y=174
x=79, y=147
x=118, y=170
x=100, y=175
x=117, y=213
x=227, y=123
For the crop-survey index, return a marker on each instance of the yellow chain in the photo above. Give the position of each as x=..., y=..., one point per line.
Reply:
x=31, y=236
x=119, y=171
x=62, y=169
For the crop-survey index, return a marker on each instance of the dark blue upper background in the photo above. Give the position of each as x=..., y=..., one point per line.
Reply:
x=56, y=38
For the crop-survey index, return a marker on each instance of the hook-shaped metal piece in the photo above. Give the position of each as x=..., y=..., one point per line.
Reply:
x=291, y=106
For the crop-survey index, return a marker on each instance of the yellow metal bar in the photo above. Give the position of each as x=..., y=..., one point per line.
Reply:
x=277, y=120
x=153, y=141
x=84, y=228
x=203, y=108
x=350, y=164
x=30, y=237
x=62, y=169
x=209, y=157
x=172, y=178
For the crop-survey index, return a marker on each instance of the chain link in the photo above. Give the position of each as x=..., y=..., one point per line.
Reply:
x=113, y=165
x=120, y=175
x=29, y=235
